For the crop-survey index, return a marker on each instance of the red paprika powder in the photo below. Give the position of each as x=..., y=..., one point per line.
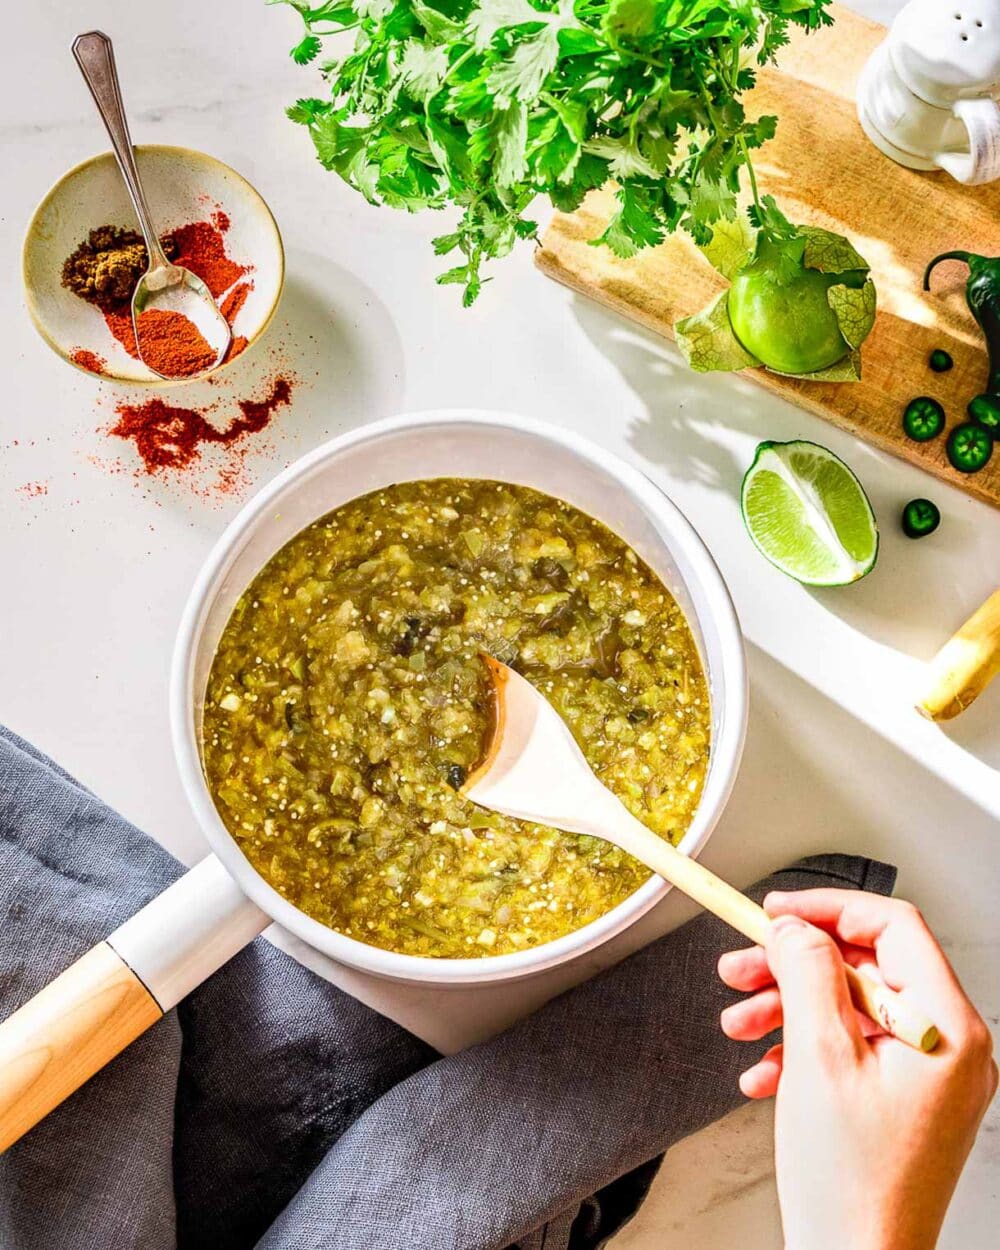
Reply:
x=172, y=344
x=170, y=437
x=200, y=247
x=89, y=360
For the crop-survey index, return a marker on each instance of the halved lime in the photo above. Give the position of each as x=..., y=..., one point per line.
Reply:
x=808, y=514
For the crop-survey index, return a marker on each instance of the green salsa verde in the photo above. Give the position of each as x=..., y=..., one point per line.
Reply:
x=347, y=702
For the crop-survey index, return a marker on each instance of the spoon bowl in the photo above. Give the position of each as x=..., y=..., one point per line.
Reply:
x=173, y=289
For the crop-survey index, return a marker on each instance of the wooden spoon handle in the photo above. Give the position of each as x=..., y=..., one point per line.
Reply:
x=66, y=1033
x=881, y=1004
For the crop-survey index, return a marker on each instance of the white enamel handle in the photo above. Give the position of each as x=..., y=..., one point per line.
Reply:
x=111, y=995
x=981, y=163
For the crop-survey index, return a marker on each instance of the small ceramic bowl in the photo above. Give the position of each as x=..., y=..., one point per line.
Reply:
x=181, y=186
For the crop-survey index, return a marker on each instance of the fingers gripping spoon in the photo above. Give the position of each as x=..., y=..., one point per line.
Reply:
x=164, y=285
x=532, y=769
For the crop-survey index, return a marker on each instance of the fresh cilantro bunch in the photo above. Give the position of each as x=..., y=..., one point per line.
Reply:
x=486, y=104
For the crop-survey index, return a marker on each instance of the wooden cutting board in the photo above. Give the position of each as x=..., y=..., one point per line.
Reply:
x=824, y=172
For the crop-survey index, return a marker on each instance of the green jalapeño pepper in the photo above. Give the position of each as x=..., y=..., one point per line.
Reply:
x=969, y=447
x=920, y=518
x=923, y=419
x=985, y=411
x=982, y=294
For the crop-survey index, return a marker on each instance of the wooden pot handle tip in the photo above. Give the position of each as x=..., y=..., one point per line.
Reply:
x=66, y=1033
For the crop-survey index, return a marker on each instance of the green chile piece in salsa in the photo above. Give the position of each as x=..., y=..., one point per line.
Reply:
x=347, y=700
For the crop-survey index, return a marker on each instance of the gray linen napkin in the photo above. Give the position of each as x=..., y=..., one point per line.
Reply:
x=273, y=1110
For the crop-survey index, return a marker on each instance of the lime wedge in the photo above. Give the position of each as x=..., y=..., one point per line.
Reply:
x=808, y=514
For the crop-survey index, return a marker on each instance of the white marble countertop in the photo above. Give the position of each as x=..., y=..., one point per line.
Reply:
x=96, y=569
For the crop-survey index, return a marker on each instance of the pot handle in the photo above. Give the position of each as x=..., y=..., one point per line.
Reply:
x=117, y=990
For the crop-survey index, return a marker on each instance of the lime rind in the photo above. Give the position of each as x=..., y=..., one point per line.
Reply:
x=808, y=514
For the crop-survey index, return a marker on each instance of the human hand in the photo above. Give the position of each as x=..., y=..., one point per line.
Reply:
x=870, y=1134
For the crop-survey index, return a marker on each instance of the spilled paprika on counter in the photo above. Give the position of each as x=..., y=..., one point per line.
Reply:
x=167, y=436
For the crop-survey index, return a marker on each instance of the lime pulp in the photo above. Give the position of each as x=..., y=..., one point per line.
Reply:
x=808, y=514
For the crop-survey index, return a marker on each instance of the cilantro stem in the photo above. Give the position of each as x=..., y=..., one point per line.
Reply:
x=750, y=172
x=457, y=64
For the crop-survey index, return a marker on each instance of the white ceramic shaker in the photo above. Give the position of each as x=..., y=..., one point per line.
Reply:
x=929, y=96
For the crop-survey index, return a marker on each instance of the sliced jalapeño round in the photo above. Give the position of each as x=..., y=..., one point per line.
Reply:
x=923, y=418
x=969, y=447
x=920, y=518
x=985, y=411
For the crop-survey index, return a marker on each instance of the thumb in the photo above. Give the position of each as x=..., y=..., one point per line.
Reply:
x=815, y=1001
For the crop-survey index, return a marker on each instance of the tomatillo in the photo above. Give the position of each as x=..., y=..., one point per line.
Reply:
x=789, y=325
x=801, y=300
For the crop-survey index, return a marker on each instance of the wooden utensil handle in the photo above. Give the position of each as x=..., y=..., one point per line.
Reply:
x=881, y=1004
x=66, y=1033
x=964, y=666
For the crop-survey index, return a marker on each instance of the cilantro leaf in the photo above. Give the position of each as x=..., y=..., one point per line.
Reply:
x=306, y=50
x=306, y=110
x=492, y=16
x=435, y=24
x=522, y=75
x=483, y=105
x=511, y=131
x=769, y=218
x=634, y=225
x=624, y=18
x=422, y=68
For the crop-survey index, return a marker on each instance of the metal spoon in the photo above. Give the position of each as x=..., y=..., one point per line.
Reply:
x=532, y=769
x=164, y=284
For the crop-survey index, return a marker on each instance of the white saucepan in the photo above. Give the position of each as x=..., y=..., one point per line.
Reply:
x=118, y=989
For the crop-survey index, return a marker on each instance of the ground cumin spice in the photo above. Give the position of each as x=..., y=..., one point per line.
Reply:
x=105, y=267
x=169, y=437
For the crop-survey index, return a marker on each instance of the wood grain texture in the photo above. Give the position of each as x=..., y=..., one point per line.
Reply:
x=824, y=172
x=66, y=1033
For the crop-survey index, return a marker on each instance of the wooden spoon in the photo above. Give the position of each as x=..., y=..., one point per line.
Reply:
x=533, y=770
